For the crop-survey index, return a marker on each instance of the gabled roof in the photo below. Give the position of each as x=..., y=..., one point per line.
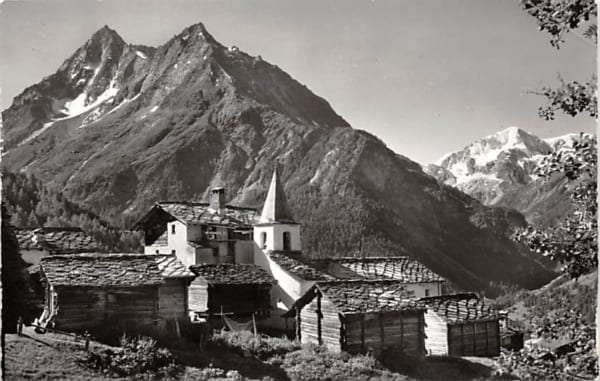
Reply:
x=162, y=240
x=233, y=274
x=295, y=263
x=171, y=267
x=460, y=308
x=405, y=269
x=363, y=296
x=201, y=213
x=96, y=270
x=60, y=240
x=275, y=209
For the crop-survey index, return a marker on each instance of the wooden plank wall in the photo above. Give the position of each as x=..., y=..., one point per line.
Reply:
x=329, y=326
x=233, y=298
x=172, y=299
x=474, y=339
x=81, y=308
x=239, y=298
x=198, y=295
x=376, y=332
x=436, y=334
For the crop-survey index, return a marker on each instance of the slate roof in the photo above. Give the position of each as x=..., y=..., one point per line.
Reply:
x=404, y=269
x=162, y=240
x=234, y=274
x=59, y=240
x=460, y=308
x=276, y=209
x=171, y=267
x=202, y=213
x=97, y=270
x=295, y=263
x=362, y=296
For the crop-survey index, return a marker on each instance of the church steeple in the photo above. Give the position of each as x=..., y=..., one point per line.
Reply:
x=276, y=209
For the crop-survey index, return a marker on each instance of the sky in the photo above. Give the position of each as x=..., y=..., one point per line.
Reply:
x=426, y=76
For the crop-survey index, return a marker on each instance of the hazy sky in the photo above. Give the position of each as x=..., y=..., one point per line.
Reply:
x=426, y=76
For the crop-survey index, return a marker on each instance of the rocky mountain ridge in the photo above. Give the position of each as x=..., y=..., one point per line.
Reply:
x=499, y=170
x=119, y=127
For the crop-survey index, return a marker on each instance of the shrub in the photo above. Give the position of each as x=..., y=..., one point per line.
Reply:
x=136, y=356
x=315, y=362
x=261, y=346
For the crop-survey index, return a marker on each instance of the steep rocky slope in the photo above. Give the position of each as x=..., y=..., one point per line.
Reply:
x=118, y=127
x=499, y=170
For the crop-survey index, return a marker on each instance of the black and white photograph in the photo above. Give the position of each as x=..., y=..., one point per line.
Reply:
x=299, y=190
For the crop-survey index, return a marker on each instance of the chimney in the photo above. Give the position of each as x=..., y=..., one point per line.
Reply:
x=217, y=199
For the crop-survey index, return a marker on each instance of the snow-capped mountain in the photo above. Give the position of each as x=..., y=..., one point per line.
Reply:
x=499, y=169
x=120, y=126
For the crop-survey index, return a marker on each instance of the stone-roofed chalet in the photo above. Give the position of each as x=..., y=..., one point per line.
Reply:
x=95, y=291
x=200, y=232
x=417, y=277
x=38, y=243
x=461, y=325
x=239, y=289
x=125, y=292
x=361, y=316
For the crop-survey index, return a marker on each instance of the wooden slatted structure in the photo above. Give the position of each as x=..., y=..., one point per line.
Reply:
x=461, y=325
x=361, y=316
x=95, y=291
x=230, y=288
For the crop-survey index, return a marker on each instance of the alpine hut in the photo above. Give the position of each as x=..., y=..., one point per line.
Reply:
x=95, y=291
x=230, y=289
x=361, y=316
x=461, y=325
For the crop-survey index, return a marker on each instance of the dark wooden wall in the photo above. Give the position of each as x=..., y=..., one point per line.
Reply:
x=172, y=299
x=329, y=324
x=92, y=308
x=375, y=332
x=237, y=299
x=474, y=339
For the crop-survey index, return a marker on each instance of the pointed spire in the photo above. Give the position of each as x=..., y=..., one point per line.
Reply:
x=276, y=209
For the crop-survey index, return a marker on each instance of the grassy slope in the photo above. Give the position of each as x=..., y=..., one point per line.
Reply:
x=35, y=359
x=558, y=296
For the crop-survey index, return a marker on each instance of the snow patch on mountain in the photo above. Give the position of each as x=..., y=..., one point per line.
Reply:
x=497, y=164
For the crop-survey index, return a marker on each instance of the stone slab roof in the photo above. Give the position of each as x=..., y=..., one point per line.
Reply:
x=171, y=267
x=352, y=297
x=295, y=263
x=101, y=270
x=59, y=240
x=404, y=269
x=162, y=240
x=202, y=213
x=233, y=274
x=460, y=308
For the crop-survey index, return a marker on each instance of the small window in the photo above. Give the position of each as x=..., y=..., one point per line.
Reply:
x=426, y=292
x=173, y=229
x=287, y=241
x=156, y=251
x=263, y=240
x=172, y=251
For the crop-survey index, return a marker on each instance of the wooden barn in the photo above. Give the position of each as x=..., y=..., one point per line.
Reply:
x=361, y=316
x=230, y=289
x=96, y=292
x=461, y=325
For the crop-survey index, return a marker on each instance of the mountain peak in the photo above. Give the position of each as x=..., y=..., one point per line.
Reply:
x=106, y=33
